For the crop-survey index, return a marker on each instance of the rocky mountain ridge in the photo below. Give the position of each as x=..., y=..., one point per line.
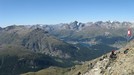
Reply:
x=79, y=25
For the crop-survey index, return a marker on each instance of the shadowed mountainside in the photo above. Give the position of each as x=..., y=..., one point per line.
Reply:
x=123, y=64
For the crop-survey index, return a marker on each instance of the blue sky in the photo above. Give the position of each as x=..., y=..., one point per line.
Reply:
x=64, y=11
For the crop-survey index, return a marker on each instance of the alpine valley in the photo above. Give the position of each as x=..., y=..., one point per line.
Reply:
x=55, y=49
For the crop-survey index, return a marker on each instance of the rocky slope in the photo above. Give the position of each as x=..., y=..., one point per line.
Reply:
x=123, y=65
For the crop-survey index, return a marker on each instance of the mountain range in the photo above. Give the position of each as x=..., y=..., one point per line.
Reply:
x=35, y=47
